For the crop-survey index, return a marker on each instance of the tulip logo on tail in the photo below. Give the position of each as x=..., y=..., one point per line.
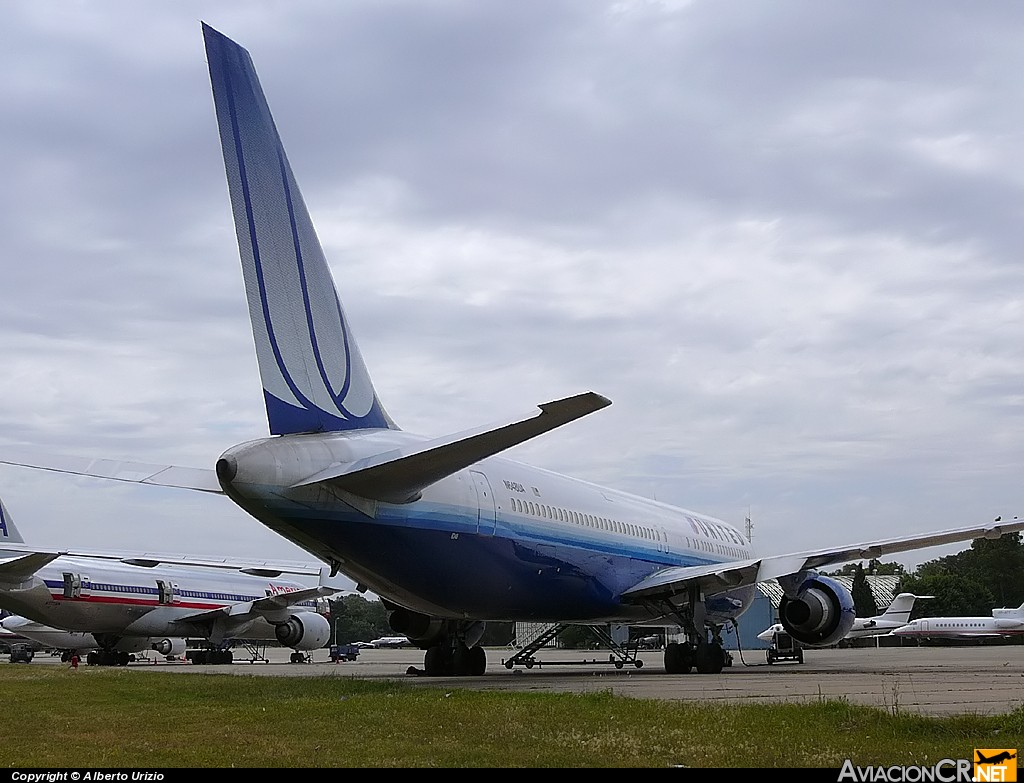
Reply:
x=996, y=764
x=3, y=523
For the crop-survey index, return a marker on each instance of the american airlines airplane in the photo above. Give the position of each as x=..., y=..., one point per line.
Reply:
x=448, y=531
x=895, y=616
x=1003, y=622
x=118, y=604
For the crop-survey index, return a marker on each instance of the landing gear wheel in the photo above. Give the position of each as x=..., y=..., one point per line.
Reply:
x=477, y=660
x=435, y=661
x=460, y=661
x=678, y=658
x=709, y=658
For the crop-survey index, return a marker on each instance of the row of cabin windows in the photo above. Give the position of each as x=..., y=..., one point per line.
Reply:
x=603, y=523
x=711, y=546
x=73, y=588
x=959, y=625
x=714, y=530
x=586, y=520
x=104, y=588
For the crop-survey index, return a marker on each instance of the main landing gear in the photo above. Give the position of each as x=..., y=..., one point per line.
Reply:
x=108, y=658
x=703, y=650
x=452, y=649
x=455, y=661
x=707, y=657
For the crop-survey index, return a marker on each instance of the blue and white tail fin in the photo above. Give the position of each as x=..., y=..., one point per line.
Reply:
x=314, y=379
x=8, y=532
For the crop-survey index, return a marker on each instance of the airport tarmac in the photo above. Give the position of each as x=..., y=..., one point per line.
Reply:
x=924, y=680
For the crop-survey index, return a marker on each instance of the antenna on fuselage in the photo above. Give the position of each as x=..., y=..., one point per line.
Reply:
x=749, y=525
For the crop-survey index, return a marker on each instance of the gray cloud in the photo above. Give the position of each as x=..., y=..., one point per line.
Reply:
x=782, y=237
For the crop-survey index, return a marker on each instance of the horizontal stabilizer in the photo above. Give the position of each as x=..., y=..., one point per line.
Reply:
x=199, y=479
x=399, y=476
x=21, y=568
x=284, y=600
x=716, y=577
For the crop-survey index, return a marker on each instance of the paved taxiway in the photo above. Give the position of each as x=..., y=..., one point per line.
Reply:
x=927, y=680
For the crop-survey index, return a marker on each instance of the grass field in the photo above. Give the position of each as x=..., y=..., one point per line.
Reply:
x=114, y=718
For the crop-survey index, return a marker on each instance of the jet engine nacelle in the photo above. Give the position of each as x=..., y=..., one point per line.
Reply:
x=169, y=646
x=821, y=614
x=420, y=629
x=425, y=631
x=304, y=631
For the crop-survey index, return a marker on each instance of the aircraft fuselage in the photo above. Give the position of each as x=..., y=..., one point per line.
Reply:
x=523, y=543
x=82, y=595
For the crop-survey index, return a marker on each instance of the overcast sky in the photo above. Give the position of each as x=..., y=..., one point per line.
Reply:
x=784, y=238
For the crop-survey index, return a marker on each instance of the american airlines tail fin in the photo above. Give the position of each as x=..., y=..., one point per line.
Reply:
x=314, y=379
x=8, y=532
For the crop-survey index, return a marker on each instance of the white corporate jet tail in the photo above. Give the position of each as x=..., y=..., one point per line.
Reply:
x=900, y=608
x=1017, y=613
x=314, y=379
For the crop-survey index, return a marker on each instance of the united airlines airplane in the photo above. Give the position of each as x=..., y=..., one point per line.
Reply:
x=449, y=533
x=118, y=604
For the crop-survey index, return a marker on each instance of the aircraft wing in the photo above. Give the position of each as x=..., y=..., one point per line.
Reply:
x=266, y=568
x=248, y=610
x=200, y=479
x=717, y=577
x=399, y=476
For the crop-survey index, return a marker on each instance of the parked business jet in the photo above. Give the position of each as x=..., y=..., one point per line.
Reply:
x=1003, y=622
x=391, y=641
x=448, y=533
x=135, y=602
x=895, y=616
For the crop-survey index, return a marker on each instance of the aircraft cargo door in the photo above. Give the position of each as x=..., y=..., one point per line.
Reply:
x=484, y=504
